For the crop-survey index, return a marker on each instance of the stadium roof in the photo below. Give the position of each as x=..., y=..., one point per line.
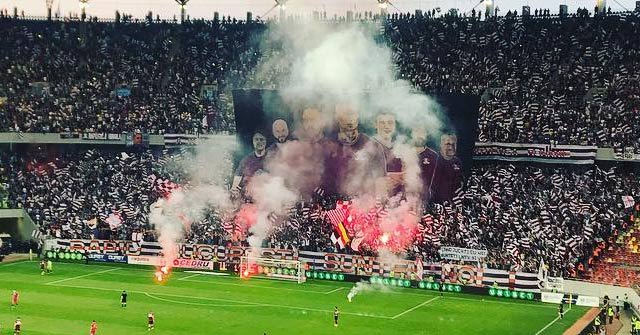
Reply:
x=238, y=8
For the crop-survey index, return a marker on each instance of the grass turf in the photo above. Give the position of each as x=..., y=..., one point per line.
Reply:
x=66, y=301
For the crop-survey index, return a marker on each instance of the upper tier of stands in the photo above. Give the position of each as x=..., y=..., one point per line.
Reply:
x=570, y=80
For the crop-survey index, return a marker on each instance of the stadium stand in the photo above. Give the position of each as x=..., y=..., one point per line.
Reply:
x=537, y=76
x=543, y=80
x=519, y=213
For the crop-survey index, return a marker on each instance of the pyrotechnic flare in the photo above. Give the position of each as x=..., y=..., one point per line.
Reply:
x=173, y=215
x=364, y=286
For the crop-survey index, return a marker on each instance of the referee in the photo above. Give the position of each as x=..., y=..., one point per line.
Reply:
x=123, y=299
x=561, y=310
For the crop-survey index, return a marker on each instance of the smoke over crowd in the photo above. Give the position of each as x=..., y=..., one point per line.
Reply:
x=173, y=215
x=341, y=79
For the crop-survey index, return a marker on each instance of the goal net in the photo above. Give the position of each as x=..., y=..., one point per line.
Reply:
x=281, y=269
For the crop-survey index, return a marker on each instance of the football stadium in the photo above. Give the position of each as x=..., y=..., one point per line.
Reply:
x=334, y=167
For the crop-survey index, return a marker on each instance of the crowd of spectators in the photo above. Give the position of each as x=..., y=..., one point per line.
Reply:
x=519, y=213
x=522, y=214
x=571, y=80
x=548, y=80
x=63, y=77
x=543, y=79
x=88, y=194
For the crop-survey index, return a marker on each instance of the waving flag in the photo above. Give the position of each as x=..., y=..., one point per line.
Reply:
x=419, y=268
x=628, y=201
x=337, y=240
x=542, y=272
x=357, y=240
x=114, y=220
x=338, y=217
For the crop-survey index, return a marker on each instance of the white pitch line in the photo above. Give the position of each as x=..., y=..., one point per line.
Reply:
x=191, y=276
x=82, y=276
x=15, y=262
x=552, y=322
x=414, y=308
x=198, y=304
x=548, y=325
x=336, y=290
x=400, y=291
x=254, y=286
x=232, y=301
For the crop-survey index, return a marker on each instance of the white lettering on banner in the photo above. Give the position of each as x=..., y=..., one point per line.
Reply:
x=555, y=283
x=148, y=253
x=145, y=260
x=585, y=300
x=102, y=246
x=543, y=153
x=192, y=264
x=117, y=258
x=462, y=254
x=231, y=254
x=101, y=136
x=553, y=298
x=628, y=153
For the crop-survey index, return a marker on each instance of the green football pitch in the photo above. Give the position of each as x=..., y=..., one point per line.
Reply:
x=66, y=301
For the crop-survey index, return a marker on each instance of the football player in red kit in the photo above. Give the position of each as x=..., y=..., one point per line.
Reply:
x=15, y=297
x=94, y=328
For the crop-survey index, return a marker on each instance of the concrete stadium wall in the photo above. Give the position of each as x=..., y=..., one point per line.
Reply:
x=17, y=222
x=600, y=290
x=53, y=138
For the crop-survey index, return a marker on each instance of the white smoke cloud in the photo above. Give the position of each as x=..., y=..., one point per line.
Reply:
x=207, y=170
x=322, y=64
x=390, y=258
x=333, y=64
x=271, y=197
x=366, y=287
x=412, y=181
x=336, y=64
x=326, y=65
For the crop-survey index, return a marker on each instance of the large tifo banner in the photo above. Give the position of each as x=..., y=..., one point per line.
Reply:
x=203, y=256
x=540, y=153
x=265, y=118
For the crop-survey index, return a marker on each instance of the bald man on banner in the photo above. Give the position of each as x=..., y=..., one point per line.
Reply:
x=357, y=163
x=280, y=131
x=385, y=125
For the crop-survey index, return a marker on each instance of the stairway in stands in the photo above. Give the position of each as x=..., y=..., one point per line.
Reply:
x=620, y=264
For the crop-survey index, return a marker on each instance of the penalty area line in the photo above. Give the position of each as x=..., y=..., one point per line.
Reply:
x=552, y=322
x=414, y=308
x=253, y=286
x=335, y=290
x=15, y=262
x=82, y=276
x=191, y=276
x=198, y=304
